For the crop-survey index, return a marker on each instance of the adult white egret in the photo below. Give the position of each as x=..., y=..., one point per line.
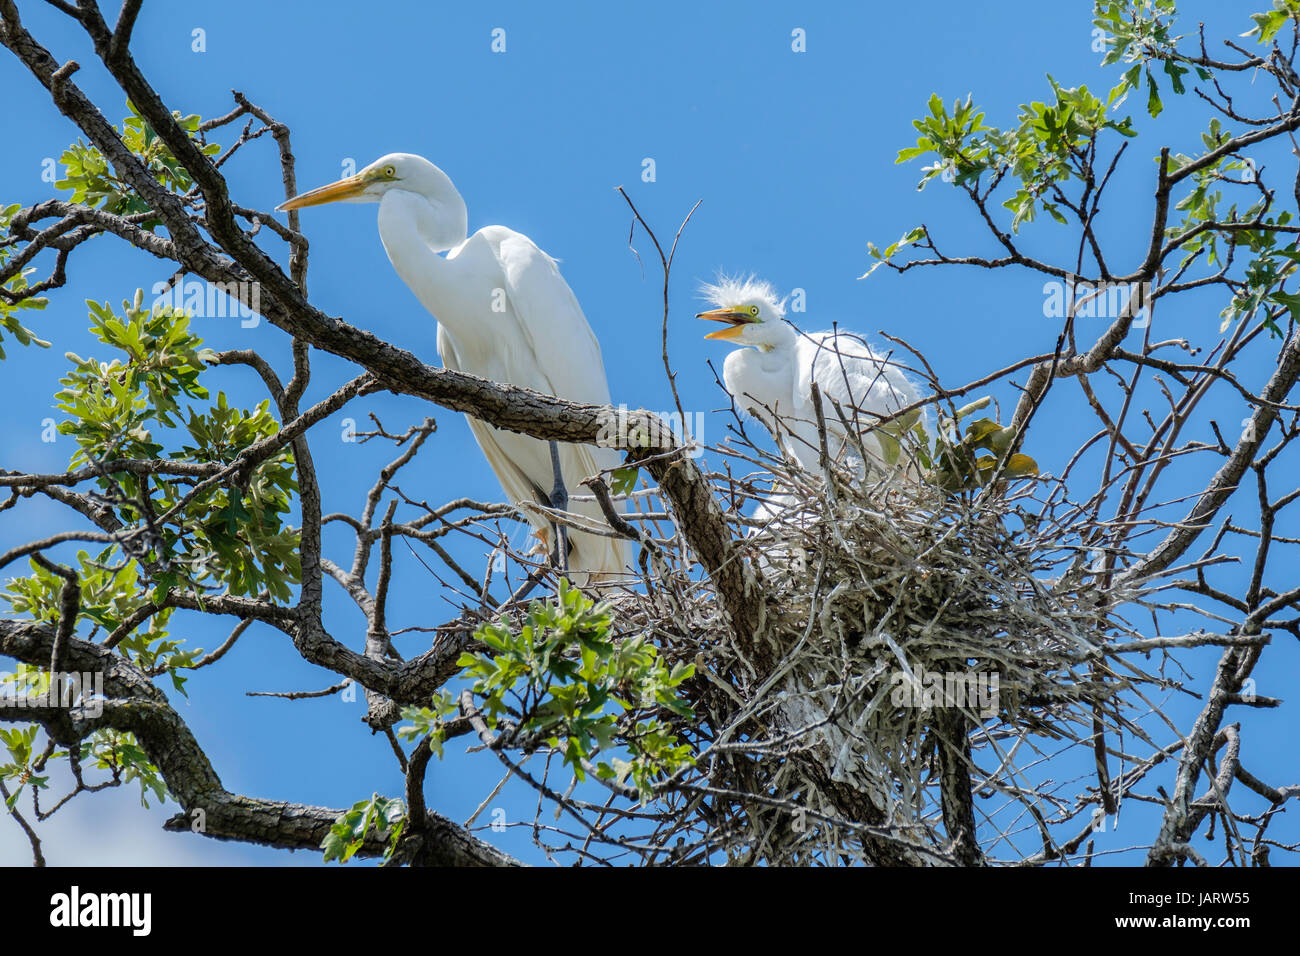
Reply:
x=772, y=373
x=506, y=314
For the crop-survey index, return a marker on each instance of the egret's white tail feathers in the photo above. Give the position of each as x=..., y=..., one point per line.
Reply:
x=593, y=558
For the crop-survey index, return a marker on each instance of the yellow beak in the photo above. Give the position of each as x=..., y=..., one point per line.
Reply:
x=343, y=189
x=736, y=322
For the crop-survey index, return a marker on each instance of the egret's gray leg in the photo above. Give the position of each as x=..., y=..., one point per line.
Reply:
x=560, y=502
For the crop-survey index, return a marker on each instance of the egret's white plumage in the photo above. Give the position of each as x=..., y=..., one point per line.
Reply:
x=505, y=314
x=772, y=373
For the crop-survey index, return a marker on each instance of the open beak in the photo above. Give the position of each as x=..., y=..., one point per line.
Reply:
x=334, y=192
x=735, y=320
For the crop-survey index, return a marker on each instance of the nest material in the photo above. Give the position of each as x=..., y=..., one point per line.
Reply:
x=875, y=589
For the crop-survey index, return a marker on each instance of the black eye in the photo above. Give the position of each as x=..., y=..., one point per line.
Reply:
x=390, y=171
x=753, y=310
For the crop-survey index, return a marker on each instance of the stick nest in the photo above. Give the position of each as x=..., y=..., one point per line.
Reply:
x=884, y=599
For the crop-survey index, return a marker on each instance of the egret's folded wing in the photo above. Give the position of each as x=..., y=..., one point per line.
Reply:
x=566, y=349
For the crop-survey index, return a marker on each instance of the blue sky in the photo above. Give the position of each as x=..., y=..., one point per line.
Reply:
x=792, y=154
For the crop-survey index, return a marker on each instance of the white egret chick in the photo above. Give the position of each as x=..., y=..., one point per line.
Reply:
x=504, y=313
x=770, y=376
x=772, y=373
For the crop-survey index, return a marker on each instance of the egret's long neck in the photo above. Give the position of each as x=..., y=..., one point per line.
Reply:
x=414, y=229
x=759, y=378
x=779, y=337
